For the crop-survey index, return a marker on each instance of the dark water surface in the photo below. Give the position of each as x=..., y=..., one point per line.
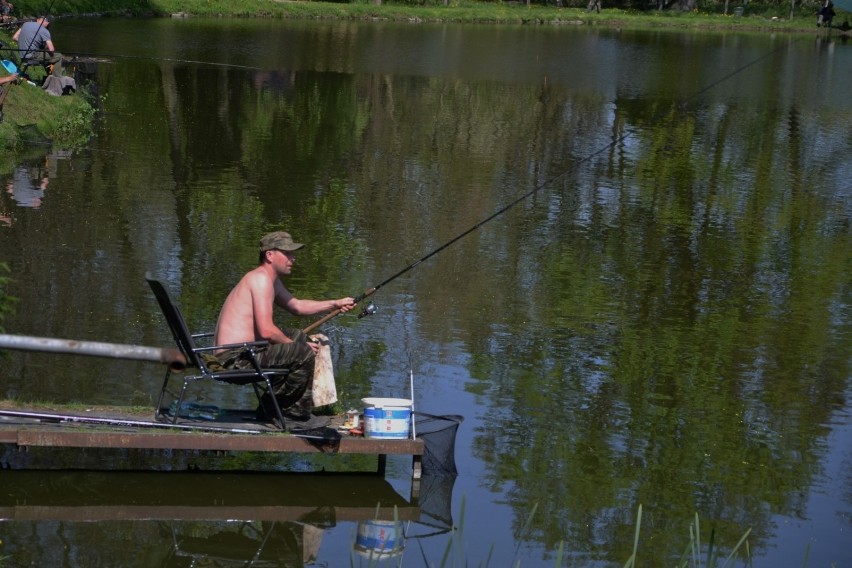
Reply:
x=663, y=319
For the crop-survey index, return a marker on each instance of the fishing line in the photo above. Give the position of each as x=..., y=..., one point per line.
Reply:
x=166, y=59
x=618, y=140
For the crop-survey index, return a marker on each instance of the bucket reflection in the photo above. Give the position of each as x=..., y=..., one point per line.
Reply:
x=378, y=540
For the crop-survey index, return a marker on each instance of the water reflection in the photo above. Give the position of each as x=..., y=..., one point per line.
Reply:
x=27, y=184
x=248, y=543
x=210, y=518
x=275, y=82
x=667, y=325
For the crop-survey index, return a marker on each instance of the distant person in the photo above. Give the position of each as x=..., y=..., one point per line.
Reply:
x=6, y=11
x=826, y=14
x=4, y=90
x=35, y=45
x=247, y=316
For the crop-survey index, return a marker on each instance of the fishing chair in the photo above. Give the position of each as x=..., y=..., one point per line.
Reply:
x=198, y=370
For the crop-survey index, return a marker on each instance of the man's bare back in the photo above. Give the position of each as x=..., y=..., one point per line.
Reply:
x=247, y=312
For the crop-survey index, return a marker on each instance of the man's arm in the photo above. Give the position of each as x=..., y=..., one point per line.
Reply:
x=312, y=307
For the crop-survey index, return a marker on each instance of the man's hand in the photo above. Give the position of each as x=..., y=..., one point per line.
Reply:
x=314, y=343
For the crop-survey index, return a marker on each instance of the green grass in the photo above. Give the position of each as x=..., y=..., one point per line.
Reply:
x=33, y=117
x=757, y=16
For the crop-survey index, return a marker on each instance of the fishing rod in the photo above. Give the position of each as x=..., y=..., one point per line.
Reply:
x=60, y=418
x=370, y=309
x=54, y=418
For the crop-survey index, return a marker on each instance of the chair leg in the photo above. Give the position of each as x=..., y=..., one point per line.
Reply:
x=257, y=391
x=158, y=414
x=179, y=402
x=276, y=405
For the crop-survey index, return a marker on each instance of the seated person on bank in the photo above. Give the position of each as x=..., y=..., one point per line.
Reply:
x=35, y=45
x=6, y=11
x=247, y=316
x=826, y=14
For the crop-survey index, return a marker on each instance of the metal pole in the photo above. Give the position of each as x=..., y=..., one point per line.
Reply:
x=411, y=380
x=171, y=357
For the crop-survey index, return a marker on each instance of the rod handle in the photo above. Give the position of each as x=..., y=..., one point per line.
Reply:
x=335, y=313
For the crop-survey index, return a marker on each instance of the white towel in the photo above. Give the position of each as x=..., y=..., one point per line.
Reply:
x=324, y=391
x=57, y=85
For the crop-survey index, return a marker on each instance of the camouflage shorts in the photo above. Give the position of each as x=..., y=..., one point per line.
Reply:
x=292, y=389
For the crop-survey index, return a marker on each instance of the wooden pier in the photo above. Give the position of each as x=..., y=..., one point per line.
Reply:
x=111, y=427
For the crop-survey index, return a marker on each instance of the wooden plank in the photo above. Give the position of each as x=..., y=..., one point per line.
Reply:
x=74, y=436
x=8, y=436
x=123, y=428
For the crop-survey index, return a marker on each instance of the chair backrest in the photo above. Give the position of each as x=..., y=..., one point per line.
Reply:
x=180, y=331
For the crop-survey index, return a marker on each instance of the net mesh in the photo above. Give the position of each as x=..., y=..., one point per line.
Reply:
x=439, y=439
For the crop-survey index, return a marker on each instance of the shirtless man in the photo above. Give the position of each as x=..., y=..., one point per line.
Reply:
x=247, y=316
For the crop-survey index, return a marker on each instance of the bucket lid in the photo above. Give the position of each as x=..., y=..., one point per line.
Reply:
x=386, y=402
x=10, y=67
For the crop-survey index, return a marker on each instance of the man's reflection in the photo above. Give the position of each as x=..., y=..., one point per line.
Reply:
x=27, y=186
x=277, y=543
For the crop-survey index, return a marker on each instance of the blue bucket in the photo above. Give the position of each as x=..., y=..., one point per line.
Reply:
x=387, y=418
x=10, y=67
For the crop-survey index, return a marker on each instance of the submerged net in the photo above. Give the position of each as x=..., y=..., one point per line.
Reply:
x=439, y=438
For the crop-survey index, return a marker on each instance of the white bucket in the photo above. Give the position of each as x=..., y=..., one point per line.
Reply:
x=387, y=418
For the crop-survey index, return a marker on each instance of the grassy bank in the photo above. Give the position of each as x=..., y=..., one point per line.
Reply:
x=34, y=121
x=756, y=15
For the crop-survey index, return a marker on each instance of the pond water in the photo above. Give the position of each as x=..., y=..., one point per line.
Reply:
x=652, y=308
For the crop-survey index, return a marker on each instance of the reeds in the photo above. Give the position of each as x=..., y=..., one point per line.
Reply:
x=691, y=557
x=453, y=555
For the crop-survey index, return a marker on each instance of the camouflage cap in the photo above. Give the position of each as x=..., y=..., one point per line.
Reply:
x=279, y=240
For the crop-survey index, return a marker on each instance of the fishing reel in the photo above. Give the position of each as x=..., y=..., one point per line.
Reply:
x=368, y=310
